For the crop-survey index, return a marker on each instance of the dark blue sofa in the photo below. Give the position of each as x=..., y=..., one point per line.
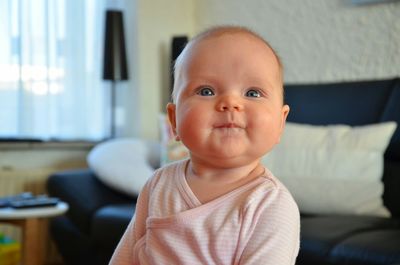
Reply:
x=98, y=215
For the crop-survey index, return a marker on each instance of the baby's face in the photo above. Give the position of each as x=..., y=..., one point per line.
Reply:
x=229, y=108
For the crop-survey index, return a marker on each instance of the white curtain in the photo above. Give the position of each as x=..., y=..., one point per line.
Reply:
x=51, y=83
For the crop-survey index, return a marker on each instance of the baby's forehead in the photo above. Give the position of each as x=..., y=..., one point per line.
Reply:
x=195, y=48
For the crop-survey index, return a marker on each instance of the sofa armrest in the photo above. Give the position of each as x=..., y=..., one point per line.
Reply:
x=85, y=194
x=391, y=180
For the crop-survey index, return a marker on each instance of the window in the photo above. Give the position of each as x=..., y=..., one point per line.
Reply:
x=50, y=70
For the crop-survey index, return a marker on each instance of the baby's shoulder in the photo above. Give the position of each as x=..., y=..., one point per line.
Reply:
x=269, y=184
x=270, y=191
x=167, y=174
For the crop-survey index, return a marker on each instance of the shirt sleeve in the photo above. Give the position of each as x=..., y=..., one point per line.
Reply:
x=124, y=253
x=273, y=228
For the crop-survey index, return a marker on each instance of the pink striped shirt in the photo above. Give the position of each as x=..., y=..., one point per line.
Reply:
x=257, y=223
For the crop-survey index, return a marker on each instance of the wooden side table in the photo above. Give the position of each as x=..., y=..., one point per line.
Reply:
x=31, y=220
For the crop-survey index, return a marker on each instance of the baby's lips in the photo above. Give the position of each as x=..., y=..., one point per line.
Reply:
x=228, y=125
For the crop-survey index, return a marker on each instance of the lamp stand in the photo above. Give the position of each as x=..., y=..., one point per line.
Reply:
x=112, y=112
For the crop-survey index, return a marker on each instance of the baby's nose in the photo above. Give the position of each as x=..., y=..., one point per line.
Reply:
x=229, y=103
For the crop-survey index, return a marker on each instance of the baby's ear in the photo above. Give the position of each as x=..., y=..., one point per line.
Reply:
x=171, y=110
x=285, y=112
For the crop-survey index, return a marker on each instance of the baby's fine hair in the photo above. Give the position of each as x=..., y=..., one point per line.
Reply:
x=215, y=32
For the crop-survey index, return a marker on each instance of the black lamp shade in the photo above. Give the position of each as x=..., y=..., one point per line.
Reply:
x=115, y=65
x=178, y=44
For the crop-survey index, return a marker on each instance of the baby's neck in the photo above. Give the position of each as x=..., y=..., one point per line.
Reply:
x=216, y=174
x=210, y=182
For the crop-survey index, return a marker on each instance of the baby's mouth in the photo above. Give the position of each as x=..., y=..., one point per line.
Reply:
x=231, y=129
x=228, y=125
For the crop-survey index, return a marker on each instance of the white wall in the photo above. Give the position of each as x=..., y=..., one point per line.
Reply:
x=318, y=40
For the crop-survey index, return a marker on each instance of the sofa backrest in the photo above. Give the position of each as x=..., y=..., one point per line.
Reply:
x=354, y=103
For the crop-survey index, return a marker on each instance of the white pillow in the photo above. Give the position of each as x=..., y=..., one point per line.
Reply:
x=121, y=164
x=334, y=169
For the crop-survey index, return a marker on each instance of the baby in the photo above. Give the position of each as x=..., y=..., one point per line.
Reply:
x=220, y=206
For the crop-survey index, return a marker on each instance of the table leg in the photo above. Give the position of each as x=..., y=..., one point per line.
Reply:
x=33, y=245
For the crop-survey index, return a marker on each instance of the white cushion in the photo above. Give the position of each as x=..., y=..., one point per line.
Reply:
x=121, y=164
x=333, y=169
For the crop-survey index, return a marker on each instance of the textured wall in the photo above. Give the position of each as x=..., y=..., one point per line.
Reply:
x=318, y=40
x=157, y=22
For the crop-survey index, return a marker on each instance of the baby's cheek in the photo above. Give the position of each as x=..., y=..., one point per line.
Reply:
x=188, y=129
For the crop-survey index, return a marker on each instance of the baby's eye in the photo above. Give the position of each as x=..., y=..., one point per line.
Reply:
x=206, y=91
x=253, y=93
